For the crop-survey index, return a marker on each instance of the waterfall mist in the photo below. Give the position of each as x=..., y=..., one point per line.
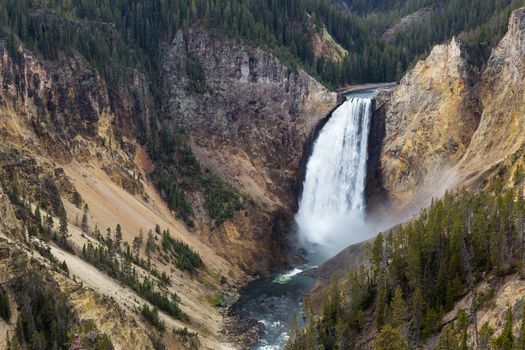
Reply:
x=332, y=208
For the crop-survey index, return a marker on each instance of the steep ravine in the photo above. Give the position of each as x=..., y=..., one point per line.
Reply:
x=69, y=138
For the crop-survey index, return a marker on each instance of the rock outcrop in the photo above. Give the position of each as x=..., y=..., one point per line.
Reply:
x=501, y=131
x=249, y=117
x=448, y=126
x=429, y=120
x=65, y=110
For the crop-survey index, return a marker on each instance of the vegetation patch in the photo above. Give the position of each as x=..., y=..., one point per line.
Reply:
x=105, y=258
x=216, y=300
x=222, y=200
x=416, y=274
x=186, y=258
x=87, y=336
x=152, y=316
x=46, y=319
x=5, y=309
x=178, y=173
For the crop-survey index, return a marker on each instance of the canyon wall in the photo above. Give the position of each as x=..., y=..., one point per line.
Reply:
x=429, y=120
x=251, y=115
x=501, y=131
x=69, y=141
x=72, y=138
x=448, y=124
x=249, y=118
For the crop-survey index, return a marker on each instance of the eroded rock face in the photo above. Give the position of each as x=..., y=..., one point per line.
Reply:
x=68, y=139
x=501, y=130
x=248, y=117
x=66, y=111
x=251, y=116
x=429, y=121
x=66, y=99
x=446, y=126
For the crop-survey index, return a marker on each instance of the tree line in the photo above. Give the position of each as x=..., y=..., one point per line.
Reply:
x=119, y=35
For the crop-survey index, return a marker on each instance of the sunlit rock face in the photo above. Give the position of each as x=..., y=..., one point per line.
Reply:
x=429, y=121
x=501, y=130
x=447, y=125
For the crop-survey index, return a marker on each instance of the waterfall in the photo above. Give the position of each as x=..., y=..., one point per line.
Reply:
x=333, y=204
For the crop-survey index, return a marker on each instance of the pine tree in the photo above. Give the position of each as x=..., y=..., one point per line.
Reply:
x=518, y=174
x=431, y=323
x=390, y=339
x=118, y=237
x=381, y=303
x=5, y=309
x=49, y=223
x=377, y=253
x=462, y=323
x=398, y=308
x=150, y=244
x=417, y=313
x=109, y=240
x=63, y=229
x=77, y=199
x=137, y=245
x=38, y=216
x=85, y=226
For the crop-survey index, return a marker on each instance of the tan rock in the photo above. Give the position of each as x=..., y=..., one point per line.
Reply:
x=501, y=130
x=429, y=121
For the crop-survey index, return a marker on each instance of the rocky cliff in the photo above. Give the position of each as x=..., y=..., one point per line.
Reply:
x=501, y=131
x=429, y=119
x=64, y=110
x=68, y=146
x=248, y=117
x=250, y=113
x=446, y=125
x=70, y=156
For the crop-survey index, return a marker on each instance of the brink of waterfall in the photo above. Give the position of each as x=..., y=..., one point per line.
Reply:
x=333, y=205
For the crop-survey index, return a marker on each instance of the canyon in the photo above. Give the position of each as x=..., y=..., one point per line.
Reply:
x=71, y=140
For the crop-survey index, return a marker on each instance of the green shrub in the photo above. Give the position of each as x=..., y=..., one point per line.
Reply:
x=222, y=200
x=152, y=316
x=187, y=258
x=90, y=338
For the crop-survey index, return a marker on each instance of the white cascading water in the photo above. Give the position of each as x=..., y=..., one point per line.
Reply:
x=333, y=204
